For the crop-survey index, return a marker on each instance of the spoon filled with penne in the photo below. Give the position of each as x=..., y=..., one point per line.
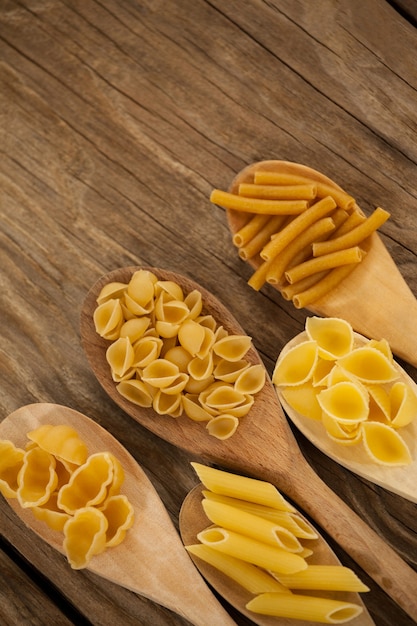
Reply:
x=306, y=236
x=251, y=433
x=150, y=560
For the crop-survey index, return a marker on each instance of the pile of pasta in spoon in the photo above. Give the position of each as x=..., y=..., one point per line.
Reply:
x=302, y=235
x=165, y=353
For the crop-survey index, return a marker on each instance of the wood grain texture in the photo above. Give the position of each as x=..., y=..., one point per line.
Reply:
x=117, y=121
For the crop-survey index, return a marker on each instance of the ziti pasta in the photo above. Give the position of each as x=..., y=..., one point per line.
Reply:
x=302, y=235
x=166, y=353
x=245, y=541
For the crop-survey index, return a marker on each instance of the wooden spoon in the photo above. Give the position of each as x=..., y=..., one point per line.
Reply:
x=193, y=520
x=374, y=298
x=401, y=480
x=263, y=446
x=151, y=561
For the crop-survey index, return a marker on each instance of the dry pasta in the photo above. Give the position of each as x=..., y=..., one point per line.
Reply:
x=283, y=254
x=168, y=355
x=350, y=384
x=80, y=499
x=243, y=544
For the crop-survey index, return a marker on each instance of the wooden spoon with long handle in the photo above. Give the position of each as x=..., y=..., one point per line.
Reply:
x=263, y=446
x=374, y=298
x=151, y=561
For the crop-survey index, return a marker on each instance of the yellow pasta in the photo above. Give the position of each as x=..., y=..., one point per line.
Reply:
x=325, y=262
x=11, y=462
x=84, y=536
x=369, y=365
x=302, y=607
x=354, y=236
x=256, y=205
x=403, y=404
x=88, y=485
x=325, y=578
x=119, y=514
x=384, y=445
x=245, y=574
x=296, y=366
x=223, y=426
x=241, y=487
x=252, y=551
x=257, y=243
x=62, y=441
x=37, y=478
x=329, y=281
x=307, y=191
x=334, y=336
x=108, y=319
x=250, y=229
x=297, y=226
x=345, y=402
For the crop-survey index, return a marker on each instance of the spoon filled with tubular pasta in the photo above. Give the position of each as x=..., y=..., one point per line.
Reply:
x=78, y=488
x=307, y=237
x=187, y=372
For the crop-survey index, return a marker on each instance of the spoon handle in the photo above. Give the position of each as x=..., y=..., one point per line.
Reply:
x=362, y=543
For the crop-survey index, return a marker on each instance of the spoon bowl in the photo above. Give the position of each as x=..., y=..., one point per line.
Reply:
x=193, y=521
x=151, y=561
x=263, y=446
x=374, y=298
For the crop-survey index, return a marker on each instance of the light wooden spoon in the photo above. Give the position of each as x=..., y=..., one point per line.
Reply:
x=401, y=480
x=193, y=520
x=151, y=561
x=374, y=298
x=263, y=446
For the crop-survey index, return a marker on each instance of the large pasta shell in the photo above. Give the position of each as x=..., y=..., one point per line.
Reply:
x=11, y=462
x=334, y=336
x=403, y=404
x=345, y=402
x=296, y=366
x=303, y=399
x=384, y=445
x=346, y=434
x=369, y=365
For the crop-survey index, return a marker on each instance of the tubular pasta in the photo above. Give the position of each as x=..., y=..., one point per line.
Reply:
x=256, y=205
x=324, y=577
x=354, y=236
x=303, y=607
x=245, y=574
x=307, y=191
x=250, y=229
x=329, y=281
x=324, y=262
x=255, y=245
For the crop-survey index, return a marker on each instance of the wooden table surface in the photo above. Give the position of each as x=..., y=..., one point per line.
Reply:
x=118, y=118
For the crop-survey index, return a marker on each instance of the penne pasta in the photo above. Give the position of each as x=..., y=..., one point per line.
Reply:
x=325, y=578
x=252, y=551
x=324, y=263
x=241, y=487
x=305, y=191
x=302, y=607
x=255, y=245
x=251, y=577
x=354, y=236
x=297, y=226
x=323, y=286
x=250, y=229
x=257, y=205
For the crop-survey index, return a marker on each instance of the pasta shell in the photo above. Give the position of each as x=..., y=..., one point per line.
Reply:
x=84, y=536
x=229, y=371
x=136, y=391
x=243, y=408
x=167, y=404
x=51, y=514
x=88, y=485
x=146, y=350
x=345, y=402
x=120, y=355
x=232, y=347
x=141, y=288
x=11, y=462
x=208, y=321
x=334, y=336
x=37, y=478
x=113, y=290
x=135, y=328
x=379, y=404
x=369, y=365
x=322, y=372
x=180, y=356
x=296, y=366
x=191, y=336
x=198, y=386
x=384, y=445
x=173, y=311
x=251, y=380
x=169, y=288
x=347, y=434
x=108, y=319
x=120, y=517
x=303, y=399
x=160, y=373
x=403, y=404
x=167, y=330
x=62, y=441
x=194, y=301
x=223, y=426
x=201, y=369
x=383, y=346
x=223, y=397
x=178, y=385
x=194, y=410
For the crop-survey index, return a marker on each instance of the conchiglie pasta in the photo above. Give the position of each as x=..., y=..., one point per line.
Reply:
x=11, y=462
x=84, y=536
x=108, y=319
x=119, y=514
x=334, y=336
x=223, y=426
x=165, y=347
x=346, y=402
x=37, y=478
x=384, y=445
x=297, y=365
x=88, y=485
x=369, y=365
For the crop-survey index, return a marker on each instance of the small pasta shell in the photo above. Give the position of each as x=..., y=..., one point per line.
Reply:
x=229, y=371
x=334, y=336
x=369, y=365
x=296, y=366
x=11, y=462
x=194, y=410
x=136, y=391
x=120, y=517
x=251, y=380
x=198, y=386
x=135, y=328
x=208, y=321
x=167, y=330
x=120, y=355
x=194, y=301
x=160, y=373
x=303, y=399
x=146, y=350
x=180, y=356
x=178, y=385
x=403, y=404
x=191, y=336
x=232, y=347
x=113, y=290
x=384, y=445
x=345, y=402
x=134, y=308
x=201, y=369
x=84, y=536
x=62, y=441
x=223, y=426
x=167, y=404
x=169, y=288
x=243, y=408
x=223, y=397
x=108, y=319
x=88, y=485
x=173, y=312
x=346, y=434
x=37, y=478
x=141, y=288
